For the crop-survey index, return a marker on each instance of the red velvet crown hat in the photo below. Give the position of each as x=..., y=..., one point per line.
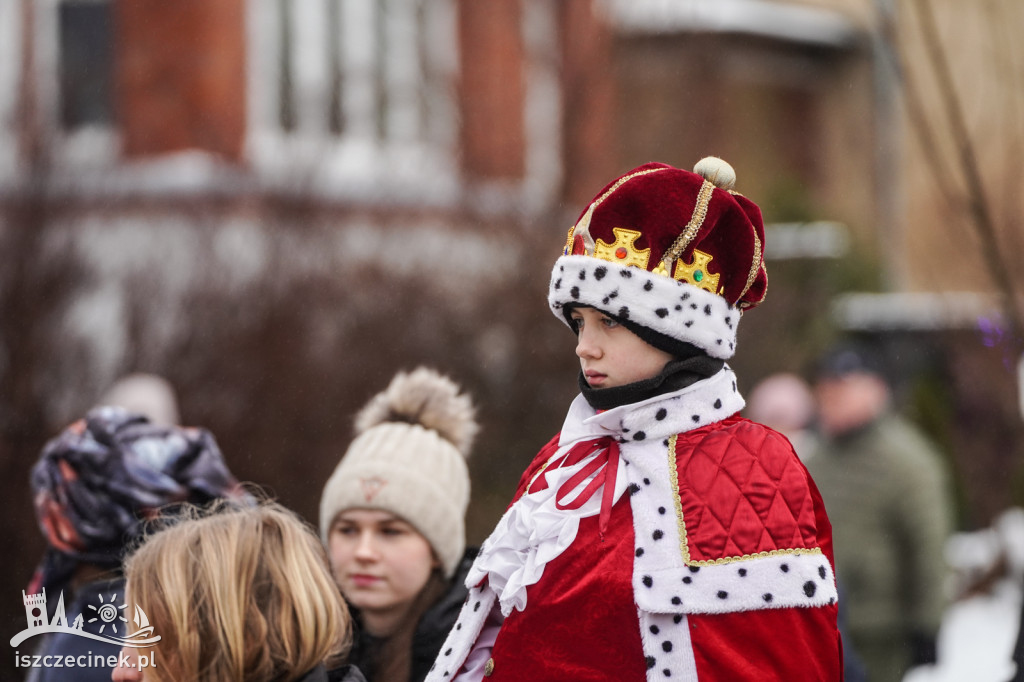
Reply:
x=674, y=255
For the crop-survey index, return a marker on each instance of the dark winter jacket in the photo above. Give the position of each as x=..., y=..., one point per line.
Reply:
x=85, y=604
x=347, y=673
x=430, y=633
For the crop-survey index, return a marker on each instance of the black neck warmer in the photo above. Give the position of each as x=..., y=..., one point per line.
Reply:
x=677, y=374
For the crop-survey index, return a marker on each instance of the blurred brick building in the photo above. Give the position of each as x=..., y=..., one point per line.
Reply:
x=276, y=204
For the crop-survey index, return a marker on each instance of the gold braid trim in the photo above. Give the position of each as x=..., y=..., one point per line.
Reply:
x=585, y=220
x=621, y=181
x=673, y=474
x=754, y=268
x=756, y=555
x=684, y=546
x=700, y=211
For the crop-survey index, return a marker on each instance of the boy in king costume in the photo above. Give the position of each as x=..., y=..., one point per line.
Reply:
x=659, y=535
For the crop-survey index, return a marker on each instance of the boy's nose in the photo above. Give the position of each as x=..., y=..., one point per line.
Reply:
x=585, y=346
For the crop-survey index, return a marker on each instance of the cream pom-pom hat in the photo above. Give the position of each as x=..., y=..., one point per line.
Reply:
x=409, y=458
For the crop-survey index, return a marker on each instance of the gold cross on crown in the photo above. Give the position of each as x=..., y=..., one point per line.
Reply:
x=623, y=251
x=696, y=272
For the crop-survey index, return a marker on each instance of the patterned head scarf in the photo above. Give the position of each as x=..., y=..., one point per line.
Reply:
x=98, y=482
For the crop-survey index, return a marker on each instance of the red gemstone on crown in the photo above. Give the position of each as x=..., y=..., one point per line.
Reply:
x=578, y=247
x=620, y=252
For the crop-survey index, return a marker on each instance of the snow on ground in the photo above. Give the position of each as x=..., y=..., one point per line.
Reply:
x=978, y=633
x=977, y=637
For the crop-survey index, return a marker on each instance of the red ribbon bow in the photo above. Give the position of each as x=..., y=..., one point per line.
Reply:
x=606, y=467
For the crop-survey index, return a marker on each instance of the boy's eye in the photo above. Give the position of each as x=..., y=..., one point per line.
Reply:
x=576, y=323
x=345, y=530
x=609, y=322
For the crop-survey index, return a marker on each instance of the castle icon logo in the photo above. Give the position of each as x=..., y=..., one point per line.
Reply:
x=106, y=613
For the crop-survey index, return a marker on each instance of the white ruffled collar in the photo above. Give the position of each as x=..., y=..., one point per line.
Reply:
x=534, y=531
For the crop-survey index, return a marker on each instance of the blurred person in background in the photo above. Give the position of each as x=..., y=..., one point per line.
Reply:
x=237, y=593
x=392, y=516
x=887, y=494
x=94, y=486
x=785, y=402
x=146, y=394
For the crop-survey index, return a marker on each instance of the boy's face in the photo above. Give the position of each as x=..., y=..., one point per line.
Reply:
x=610, y=354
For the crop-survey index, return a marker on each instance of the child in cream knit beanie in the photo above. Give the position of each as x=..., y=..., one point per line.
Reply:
x=409, y=458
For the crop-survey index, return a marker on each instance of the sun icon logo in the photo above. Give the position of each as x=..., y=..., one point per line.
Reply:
x=108, y=613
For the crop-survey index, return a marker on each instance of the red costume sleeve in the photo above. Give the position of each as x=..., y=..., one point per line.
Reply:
x=536, y=466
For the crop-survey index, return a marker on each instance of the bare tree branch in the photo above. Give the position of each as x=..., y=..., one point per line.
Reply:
x=919, y=122
x=978, y=204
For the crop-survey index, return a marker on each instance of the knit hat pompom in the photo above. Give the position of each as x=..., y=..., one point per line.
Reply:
x=409, y=458
x=427, y=398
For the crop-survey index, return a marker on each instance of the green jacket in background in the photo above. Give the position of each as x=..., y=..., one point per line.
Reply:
x=887, y=494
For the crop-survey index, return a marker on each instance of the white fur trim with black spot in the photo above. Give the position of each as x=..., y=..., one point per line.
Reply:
x=662, y=581
x=668, y=649
x=463, y=635
x=785, y=580
x=706, y=402
x=676, y=309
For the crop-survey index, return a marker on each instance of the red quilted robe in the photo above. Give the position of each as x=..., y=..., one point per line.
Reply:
x=714, y=564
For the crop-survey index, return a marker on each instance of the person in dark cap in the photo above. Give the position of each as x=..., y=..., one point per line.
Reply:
x=888, y=498
x=94, y=487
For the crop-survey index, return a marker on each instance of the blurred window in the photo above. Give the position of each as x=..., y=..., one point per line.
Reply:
x=10, y=71
x=73, y=64
x=85, y=36
x=355, y=88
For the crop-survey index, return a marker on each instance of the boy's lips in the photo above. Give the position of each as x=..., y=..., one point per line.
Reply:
x=594, y=378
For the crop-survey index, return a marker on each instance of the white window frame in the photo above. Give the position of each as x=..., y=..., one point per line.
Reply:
x=413, y=159
x=11, y=28
x=794, y=23
x=87, y=147
x=542, y=118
